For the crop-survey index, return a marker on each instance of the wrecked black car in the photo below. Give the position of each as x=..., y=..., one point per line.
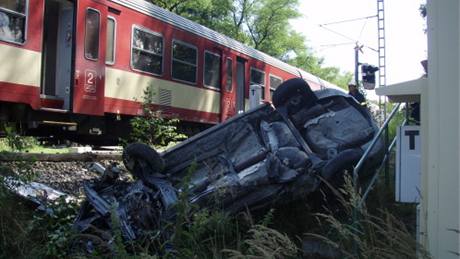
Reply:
x=268, y=155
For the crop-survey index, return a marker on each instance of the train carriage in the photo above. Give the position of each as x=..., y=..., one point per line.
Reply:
x=84, y=66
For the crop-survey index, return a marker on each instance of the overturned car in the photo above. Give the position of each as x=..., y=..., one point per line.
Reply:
x=268, y=155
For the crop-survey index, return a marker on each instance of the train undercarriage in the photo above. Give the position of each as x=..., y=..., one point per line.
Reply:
x=56, y=126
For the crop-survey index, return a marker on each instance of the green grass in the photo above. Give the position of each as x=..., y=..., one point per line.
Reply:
x=31, y=145
x=47, y=150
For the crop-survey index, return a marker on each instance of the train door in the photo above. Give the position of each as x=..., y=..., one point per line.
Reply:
x=240, y=84
x=88, y=95
x=227, y=91
x=57, y=54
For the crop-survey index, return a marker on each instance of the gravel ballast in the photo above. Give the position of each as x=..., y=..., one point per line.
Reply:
x=67, y=177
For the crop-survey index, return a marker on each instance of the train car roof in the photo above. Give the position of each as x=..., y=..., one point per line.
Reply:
x=200, y=30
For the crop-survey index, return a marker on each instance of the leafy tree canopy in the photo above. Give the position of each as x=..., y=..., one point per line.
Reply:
x=262, y=24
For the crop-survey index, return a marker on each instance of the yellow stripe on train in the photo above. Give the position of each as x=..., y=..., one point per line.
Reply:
x=130, y=86
x=20, y=66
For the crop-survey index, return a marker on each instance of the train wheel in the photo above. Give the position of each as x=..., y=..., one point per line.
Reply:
x=142, y=160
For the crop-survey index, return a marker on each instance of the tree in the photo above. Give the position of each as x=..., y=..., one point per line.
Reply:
x=170, y=5
x=306, y=59
x=422, y=10
x=268, y=25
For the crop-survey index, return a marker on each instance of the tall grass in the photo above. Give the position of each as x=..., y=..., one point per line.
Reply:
x=265, y=243
x=360, y=234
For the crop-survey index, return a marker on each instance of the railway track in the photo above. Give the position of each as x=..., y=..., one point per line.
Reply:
x=67, y=157
x=63, y=172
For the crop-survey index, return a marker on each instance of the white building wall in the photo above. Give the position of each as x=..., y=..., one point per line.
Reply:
x=441, y=130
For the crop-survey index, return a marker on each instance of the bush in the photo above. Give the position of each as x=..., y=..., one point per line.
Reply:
x=152, y=128
x=14, y=141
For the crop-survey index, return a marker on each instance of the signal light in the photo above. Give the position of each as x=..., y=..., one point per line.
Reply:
x=368, y=76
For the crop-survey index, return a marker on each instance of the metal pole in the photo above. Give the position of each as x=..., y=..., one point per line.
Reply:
x=372, y=144
x=355, y=212
x=357, y=65
x=387, y=162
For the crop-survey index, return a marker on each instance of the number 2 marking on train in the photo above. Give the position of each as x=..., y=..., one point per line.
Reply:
x=90, y=75
x=90, y=81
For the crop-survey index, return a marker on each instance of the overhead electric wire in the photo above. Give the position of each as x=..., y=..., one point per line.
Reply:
x=337, y=44
x=362, y=29
x=338, y=33
x=326, y=46
x=345, y=36
x=349, y=20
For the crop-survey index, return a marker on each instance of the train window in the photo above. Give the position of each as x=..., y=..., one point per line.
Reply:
x=13, y=21
x=147, y=51
x=229, y=81
x=184, y=61
x=274, y=83
x=92, y=34
x=257, y=77
x=110, y=49
x=211, y=70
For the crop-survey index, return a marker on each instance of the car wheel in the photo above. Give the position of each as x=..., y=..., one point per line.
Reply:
x=293, y=94
x=142, y=160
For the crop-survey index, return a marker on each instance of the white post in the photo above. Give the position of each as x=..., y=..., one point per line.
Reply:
x=255, y=96
x=441, y=132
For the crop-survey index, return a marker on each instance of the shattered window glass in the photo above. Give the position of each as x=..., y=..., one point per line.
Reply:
x=13, y=20
x=147, y=51
x=184, y=62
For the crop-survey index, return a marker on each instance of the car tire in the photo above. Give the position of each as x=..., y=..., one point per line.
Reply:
x=293, y=94
x=140, y=159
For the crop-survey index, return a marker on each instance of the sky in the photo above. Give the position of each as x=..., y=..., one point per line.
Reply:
x=405, y=40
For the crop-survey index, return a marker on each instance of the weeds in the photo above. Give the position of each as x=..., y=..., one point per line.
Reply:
x=14, y=141
x=265, y=243
x=56, y=227
x=119, y=247
x=359, y=234
x=152, y=128
x=213, y=234
x=200, y=233
x=29, y=233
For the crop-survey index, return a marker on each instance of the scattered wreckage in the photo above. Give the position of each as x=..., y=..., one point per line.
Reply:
x=38, y=194
x=268, y=155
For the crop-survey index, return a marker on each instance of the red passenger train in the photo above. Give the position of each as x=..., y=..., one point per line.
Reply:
x=83, y=66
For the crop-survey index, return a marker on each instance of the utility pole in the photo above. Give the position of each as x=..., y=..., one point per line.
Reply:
x=356, y=65
x=382, y=75
x=357, y=50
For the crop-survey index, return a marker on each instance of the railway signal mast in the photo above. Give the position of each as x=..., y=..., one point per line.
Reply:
x=368, y=71
x=381, y=53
